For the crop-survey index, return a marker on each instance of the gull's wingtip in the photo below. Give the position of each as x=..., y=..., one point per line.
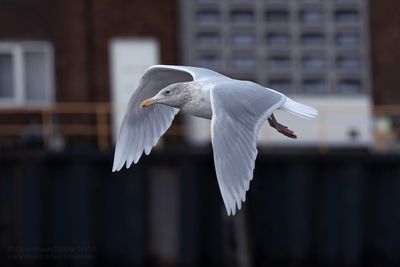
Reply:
x=231, y=211
x=116, y=167
x=228, y=211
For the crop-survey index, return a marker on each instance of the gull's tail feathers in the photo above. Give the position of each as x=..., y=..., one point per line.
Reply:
x=299, y=109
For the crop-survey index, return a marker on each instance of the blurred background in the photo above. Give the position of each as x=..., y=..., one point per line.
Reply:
x=329, y=198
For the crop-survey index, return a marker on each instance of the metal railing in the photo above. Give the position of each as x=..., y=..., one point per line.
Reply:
x=100, y=128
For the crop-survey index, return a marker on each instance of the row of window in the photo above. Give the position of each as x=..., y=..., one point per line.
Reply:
x=316, y=86
x=344, y=63
x=211, y=16
x=342, y=40
x=282, y=63
x=310, y=86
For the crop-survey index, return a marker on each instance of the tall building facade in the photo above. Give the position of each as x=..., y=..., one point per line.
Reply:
x=313, y=49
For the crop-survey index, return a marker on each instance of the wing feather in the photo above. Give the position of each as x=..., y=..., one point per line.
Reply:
x=141, y=128
x=239, y=110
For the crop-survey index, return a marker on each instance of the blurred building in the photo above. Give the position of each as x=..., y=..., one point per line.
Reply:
x=316, y=51
x=67, y=69
x=297, y=47
x=55, y=65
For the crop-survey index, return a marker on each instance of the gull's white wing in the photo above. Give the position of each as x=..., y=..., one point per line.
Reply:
x=141, y=128
x=239, y=110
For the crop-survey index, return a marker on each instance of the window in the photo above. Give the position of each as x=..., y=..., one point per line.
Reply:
x=281, y=85
x=7, y=74
x=278, y=39
x=346, y=16
x=349, y=87
x=314, y=86
x=208, y=39
x=278, y=16
x=312, y=39
x=244, y=63
x=243, y=39
x=26, y=74
x=314, y=63
x=348, y=63
x=279, y=63
x=347, y=40
x=242, y=16
x=209, y=61
x=311, y=16
x=207, y=16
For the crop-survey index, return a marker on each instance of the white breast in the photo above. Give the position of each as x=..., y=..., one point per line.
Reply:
x=199, y=104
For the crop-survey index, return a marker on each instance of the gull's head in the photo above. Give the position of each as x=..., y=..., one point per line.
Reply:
x=173, y=95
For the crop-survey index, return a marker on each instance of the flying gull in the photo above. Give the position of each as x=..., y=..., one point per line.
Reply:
x=237, y=109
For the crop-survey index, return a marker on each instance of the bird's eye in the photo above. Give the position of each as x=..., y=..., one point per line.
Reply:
x=167, y=92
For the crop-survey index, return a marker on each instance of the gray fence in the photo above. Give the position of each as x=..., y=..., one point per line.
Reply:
x=69, y=209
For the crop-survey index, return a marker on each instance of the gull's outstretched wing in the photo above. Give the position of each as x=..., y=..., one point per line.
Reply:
x=141, y=128
x=239, y=110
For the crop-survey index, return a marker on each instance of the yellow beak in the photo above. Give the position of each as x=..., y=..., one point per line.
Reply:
x=147, y=102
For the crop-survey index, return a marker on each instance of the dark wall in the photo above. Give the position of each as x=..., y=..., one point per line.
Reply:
x=301, y=210
x=80, y=31
x=385, y=52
